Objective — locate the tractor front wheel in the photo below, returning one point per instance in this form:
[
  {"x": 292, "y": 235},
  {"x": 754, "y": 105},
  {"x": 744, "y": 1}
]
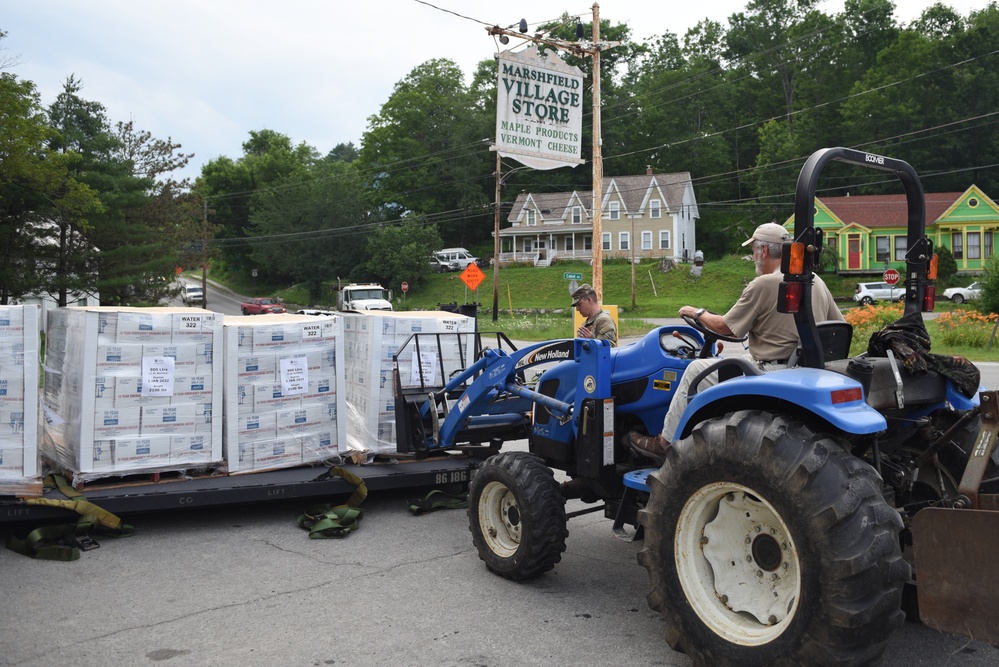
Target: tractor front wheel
[
  {"x": 517, "y": 515},
  {"x": 767, "y": 543}
]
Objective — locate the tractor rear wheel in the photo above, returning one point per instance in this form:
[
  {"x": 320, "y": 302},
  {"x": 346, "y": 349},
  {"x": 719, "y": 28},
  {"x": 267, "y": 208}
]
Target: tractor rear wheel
[
  {"x": 517, "y": 515},
  {"x": 767, "y": 543}
]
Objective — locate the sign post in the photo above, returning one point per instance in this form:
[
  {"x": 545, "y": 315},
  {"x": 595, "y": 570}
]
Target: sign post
[
  {"x": 891, "y": 277},
  {"x": 405, "y": 288}
]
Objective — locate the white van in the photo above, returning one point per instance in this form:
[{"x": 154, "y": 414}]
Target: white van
[{"x": 457, "y": 257}]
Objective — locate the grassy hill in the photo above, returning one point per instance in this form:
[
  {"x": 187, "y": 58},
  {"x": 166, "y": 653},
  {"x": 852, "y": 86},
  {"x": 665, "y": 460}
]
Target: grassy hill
[{"x": 657, "y": 294}]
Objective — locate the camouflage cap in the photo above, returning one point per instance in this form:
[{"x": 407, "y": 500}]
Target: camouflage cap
[{"x": 582, "y": 292}]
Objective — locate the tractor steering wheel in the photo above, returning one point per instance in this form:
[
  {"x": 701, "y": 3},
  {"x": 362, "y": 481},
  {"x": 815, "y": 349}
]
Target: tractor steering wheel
[{"x": 710, "y": 335}]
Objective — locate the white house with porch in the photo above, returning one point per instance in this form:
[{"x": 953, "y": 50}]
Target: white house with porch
[{"x": 643, "y": 217}]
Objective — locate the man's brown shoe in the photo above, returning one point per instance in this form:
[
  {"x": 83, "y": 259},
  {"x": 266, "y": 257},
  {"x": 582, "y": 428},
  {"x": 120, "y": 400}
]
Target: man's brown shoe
[{"x": 650, "y": 446}]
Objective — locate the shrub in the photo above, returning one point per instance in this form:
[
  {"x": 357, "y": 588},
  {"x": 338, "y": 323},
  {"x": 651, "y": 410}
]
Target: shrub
[
  {"x": 965, "y": 327},
  {"x": 868, "y": 319}
]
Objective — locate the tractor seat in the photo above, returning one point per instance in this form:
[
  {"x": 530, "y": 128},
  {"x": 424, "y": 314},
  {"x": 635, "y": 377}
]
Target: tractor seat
[{"x": 835, "y": 337}]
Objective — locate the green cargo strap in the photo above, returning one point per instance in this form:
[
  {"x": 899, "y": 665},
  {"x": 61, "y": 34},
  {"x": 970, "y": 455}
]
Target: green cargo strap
[
  {"x": 438, "y": 500},
  {"x": 330, "y": 521},
  {"x": 64, "y": 542}
]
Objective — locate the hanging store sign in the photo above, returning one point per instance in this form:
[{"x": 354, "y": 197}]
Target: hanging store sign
[{"x": 539, "y": 109}]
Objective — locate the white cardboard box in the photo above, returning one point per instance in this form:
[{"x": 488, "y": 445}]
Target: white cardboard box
[
  {"x": 371, "y": 339},
  {"x": 280, "y": 381},
  {"x": 96, "y": 356}
]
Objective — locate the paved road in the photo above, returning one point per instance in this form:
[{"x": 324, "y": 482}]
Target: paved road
[{"x": 245, "y": 586}]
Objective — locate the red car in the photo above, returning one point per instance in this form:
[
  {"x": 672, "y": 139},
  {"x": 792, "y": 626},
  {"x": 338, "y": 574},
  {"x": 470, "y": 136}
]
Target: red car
[{"x": 264, "y": 306}]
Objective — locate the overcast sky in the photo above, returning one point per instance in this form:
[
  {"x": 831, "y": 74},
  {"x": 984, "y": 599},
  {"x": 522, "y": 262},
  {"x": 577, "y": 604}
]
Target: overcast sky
[{"x": 207, "y": 72}]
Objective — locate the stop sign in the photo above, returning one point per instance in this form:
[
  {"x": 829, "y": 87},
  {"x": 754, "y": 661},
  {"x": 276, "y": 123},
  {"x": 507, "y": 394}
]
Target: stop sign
[
  {"x": 405, "y": 287},
  {"x": 891, "y": 276}
]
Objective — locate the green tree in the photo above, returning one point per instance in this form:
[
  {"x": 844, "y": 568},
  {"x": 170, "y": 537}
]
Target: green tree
[
  {"x": 230, "y": 186},
  {"x": 35, "y": 189},
  {"x": 988, "y": 302},
  {"x": 424, "y": 152},
  {"x": 310, "y": 228},
  {"x": 401, "y": 252},
  {"x": 122, "y": 248}
]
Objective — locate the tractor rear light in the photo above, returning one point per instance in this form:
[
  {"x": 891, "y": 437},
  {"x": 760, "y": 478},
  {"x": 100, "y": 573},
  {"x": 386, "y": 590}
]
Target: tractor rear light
[
  {"x": 931, "y": 273},
  {"x": 847, "y": 395},
  {"x": 929, "y": 299},
  {"x": 796, "y": 263},
  {"x": 790, "y": 294}
]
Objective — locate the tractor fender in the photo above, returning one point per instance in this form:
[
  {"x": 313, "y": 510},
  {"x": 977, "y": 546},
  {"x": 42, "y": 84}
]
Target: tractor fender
[{"x": 833, "y": 397}]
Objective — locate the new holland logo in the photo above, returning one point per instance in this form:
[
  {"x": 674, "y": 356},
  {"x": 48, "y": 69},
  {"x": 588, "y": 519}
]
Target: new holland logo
[{"x": 553, "y": 352}]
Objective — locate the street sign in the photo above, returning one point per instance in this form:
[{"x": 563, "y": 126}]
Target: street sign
[
  {"x": 472, "y": 276},
  {"x": 891, "y": 276},
  {"x": 572, "y": 276},
  {"x": 405, "y": 286}
]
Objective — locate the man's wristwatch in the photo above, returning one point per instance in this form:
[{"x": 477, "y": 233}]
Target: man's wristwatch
[{"x": 698, "y": 313}]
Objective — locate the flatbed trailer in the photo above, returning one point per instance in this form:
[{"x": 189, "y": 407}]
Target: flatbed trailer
[{"x": 137, "y": 497}]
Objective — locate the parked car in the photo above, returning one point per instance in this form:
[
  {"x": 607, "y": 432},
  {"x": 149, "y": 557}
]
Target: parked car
[
  {"x": 192, "y": 295},
  {"x": 962, "y": 294},
  {"x": 458, "y": 257},
  {"x": 441, "y": 264},
  {"x": 868, "y": 293}
]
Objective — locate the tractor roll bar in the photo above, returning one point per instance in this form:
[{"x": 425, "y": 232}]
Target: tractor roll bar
[{"x": 917, "y": 256}]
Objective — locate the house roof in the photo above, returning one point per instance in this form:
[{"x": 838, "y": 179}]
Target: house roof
[
  {"x": 878, "y": 211},
  {"x": 631, "y": 190}
]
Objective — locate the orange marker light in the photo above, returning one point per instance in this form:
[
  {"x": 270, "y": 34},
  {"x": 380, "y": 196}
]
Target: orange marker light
[
  {"x": 931, "y": 273},
  {"x": 796, "y": 264}
]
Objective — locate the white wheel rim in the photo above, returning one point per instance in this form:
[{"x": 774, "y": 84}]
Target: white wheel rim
[
  {"x": 500, "y": 519},
  {"x": 737, "y": 564}
]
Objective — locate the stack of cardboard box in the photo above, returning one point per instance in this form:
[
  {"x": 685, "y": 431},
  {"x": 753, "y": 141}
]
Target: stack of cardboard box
[
  {"x": 282, "y": 389},
  {"x": 19, "y": 349},
  {"x": 372, "y": 340},
  {"x": 132, "y": 390}
]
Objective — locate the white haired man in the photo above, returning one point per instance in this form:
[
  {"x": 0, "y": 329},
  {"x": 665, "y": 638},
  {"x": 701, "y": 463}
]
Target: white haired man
[{"x": 773, "y": 336}]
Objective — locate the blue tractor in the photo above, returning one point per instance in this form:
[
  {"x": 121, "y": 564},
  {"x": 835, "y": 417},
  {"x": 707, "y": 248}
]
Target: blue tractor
[{"x": 781, "y": 527}]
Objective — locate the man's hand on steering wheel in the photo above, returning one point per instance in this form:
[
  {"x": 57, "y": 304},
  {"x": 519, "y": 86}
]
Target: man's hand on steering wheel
[{"x": 692, "y": 316}]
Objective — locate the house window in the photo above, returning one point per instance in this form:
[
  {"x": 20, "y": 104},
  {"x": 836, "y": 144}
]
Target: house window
[
  {"x": 973, "y": 202},
  {"x": 532, "y": 218},
  {"x": 568, "y": 243},
  {"x": 577, "y": 215},
  {"x": 957, "y": 245},
  {"x": 974, "y": 245},
  {"x": 882, "y": 248},
  {"x": 624, "y": 240},
  {"x": 528, "y": 245},
  {"x": 655, "y": 209},
  {"x": 646, "y": 240},
  {"x": 606, "y": 240},
  {"x": 615, "y": 210},
  {"x": 664, "y": 239},
  {"x": 901, "y": 245},
  {"x": 988, "y": 244},
  {"x": 588, "y": 242}
]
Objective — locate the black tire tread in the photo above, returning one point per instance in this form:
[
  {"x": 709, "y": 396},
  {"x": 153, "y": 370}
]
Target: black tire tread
[
  {"x": 542, "y": 509},
  {"x": 847, "y": 516}
]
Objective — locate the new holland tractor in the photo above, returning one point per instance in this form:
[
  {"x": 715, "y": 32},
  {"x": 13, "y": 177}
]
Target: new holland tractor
[{"x": 796, "y": 509}]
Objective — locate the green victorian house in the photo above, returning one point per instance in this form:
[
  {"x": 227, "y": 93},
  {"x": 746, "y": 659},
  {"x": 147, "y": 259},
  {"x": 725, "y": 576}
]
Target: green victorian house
[{"x": 868, "y": 233}]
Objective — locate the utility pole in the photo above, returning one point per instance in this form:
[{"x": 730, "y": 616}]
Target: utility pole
[
  {"x": 204, "y": 254},
  {"x": 496, "y": 237},
  {"x": 598, "y": 166}
]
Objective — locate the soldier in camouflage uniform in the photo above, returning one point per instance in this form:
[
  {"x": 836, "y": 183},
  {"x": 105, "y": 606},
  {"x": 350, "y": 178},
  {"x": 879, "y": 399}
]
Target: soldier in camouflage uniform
[{"x": 599, "y": 324}]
